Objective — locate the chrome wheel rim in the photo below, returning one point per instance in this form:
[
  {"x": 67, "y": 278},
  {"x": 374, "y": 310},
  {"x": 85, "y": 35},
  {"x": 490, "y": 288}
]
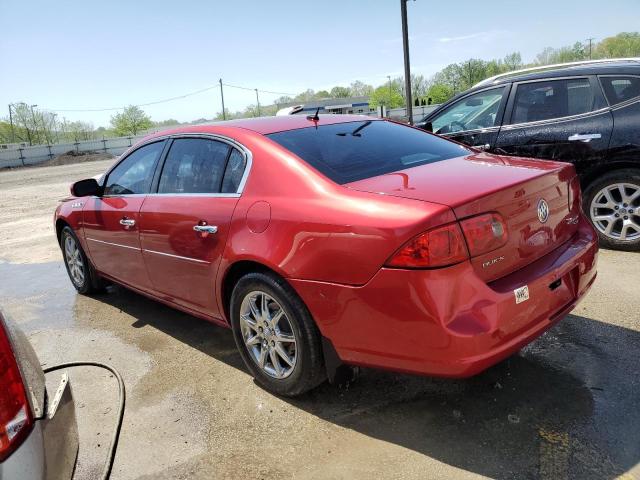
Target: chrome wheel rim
[
  {"x": 615, "y": 211},
  {"x": 74, "y": 261},
  {"x": 268, "y": 334}
]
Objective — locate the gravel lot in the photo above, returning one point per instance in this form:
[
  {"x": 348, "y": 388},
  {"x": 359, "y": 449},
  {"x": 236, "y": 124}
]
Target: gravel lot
[{"x": 565, "y": 407}]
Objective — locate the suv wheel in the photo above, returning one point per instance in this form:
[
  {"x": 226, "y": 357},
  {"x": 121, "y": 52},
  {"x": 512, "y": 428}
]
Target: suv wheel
[
  {"x": 275, "y": 334},
  {"x": 613, "y": 205}
]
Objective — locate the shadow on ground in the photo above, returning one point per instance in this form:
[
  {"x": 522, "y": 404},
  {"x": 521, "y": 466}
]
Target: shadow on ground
[{"x": 564, "y": 407}]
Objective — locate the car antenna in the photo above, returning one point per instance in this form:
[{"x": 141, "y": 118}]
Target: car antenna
[{"x": 315, "y": 116}]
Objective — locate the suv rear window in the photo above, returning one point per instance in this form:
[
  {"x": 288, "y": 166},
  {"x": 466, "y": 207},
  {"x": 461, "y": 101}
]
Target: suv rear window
[
  {"x": 620, "y": 89},
  {"x": 351, "y": 151},
  {"x": 551, "y": 99}
]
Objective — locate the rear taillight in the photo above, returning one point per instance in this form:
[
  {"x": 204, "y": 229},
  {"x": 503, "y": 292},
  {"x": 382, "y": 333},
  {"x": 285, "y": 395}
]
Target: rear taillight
[
  {"x": 484, "y": 233},
  {"x": 15, "y": 414},
  {"x": 439, "y": 247}
]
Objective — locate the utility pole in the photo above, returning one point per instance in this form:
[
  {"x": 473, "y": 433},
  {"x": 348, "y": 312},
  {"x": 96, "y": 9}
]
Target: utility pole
[
  {"x": 13, "y": 133},
  {"x": 590, "y": 40},
  {"x": 257, "y": 101},
  {"x": 407, "y": 67},
  {"x": 224, "y": 114}
]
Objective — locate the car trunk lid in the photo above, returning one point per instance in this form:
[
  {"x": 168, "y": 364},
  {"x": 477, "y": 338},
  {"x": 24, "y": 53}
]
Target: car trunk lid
[{"x": 483, "y": 183}]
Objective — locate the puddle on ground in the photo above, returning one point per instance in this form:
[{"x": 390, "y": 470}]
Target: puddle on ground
[{"x": 37, "y": 296}]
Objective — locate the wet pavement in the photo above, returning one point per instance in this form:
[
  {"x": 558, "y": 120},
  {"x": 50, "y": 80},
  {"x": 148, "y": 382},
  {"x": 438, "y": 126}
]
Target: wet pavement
[{"x": 565, "y": 407}]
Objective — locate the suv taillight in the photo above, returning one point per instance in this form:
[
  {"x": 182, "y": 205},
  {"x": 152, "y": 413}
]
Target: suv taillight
[
  {"x": 439, "y": 247},
  {"x": 484, "y": 233},
  {"x": 15, "y": 415}
]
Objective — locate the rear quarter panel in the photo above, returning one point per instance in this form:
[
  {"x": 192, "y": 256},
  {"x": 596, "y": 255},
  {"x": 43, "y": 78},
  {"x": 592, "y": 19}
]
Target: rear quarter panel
[{"x": 314, "y": 229}]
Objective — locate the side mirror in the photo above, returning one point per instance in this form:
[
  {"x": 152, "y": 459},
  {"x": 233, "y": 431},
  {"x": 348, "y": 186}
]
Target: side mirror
[
  {"x": 428, "y": 127},
  {"x": 85, "y": 188}
]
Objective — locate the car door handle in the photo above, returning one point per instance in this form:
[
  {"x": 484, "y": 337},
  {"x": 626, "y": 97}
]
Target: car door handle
[
  {"x": 205, "y": 228},
  {"x": 584, "y": 137},
  {"x": 127, "y": 222}
]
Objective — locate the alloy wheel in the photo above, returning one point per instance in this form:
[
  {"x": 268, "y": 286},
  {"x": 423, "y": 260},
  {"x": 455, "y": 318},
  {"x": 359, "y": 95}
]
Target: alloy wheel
[
  {"x": 268, "y": 334},
  {"x": 73, "y": 257},
  {"x": 615, "y": 211}
]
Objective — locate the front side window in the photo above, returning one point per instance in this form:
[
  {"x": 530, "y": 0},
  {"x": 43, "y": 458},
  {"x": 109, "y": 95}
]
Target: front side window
[
  {"x": 134, "y": 174},
  {"x": 194, "y": 165},
  {"x": 351, "y": 151},
  {"x": 476, "y": 111},
  {"x": 551, "y": 99},
  {"x": 620, "y": 89}
]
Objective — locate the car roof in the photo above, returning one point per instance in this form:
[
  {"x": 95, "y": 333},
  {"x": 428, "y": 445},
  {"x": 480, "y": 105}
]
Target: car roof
[
  {"x": 605, "y": 67},
  {"x": 267, "y": 125}
]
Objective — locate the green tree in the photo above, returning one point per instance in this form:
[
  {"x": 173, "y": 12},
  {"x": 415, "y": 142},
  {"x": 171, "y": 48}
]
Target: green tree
[
  {"x": 439, "y": 93},
  {"x": 340, "y": 92},
  {"x": 625, "y": 44},
  {"x": 131, "y": 121},
  {"x": 360, "y": 89},
  {"x": 390, "y": 96},
  {"x": 166, "y": 123},
  {"x": 306, "y": 96},
  {"x": 322, "y": 94}
]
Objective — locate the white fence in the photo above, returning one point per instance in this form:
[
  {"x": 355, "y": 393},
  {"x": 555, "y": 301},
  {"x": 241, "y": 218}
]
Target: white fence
[
  {"x": 16, "y": 157},
  {"x": 41, "y": 153}
]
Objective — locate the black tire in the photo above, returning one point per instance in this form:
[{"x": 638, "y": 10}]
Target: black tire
[
  {"x": 91, "y": 281},
  {"x": 627, "y": 176},
  {"x": 308, "y": 371}
]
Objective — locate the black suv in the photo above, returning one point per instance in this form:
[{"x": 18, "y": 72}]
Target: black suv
[{"x": 586, "y": 113}]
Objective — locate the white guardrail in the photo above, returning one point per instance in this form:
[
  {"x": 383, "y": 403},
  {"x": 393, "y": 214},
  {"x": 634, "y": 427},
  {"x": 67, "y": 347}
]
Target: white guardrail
[{"x": 17, "y": 157}]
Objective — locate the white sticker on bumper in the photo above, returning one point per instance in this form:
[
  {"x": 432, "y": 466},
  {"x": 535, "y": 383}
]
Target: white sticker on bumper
[{"x": 521, "y": 294}]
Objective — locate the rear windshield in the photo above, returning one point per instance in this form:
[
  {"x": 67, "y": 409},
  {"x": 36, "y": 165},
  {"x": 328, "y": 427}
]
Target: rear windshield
[{"x": 347, "y": 152}]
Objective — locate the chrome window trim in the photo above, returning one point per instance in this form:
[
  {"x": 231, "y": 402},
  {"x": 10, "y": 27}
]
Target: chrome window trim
[
  {"x": 557, "y": 119},
  {"x": 248, "y": 155},
  {"x": 113, "y": 244},
  {"x": 466, "y": 132},
  {"x": 190, "y": 259},
  {"x": 570, "y": 118},
  {"x": 626, "y": 102},
  {"x": 212, "y": 195}
]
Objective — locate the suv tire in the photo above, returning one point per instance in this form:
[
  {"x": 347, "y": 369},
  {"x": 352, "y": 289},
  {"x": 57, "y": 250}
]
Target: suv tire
[{"x": 612, "y": 203}]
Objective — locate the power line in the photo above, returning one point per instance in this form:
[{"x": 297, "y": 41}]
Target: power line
[
  {"x": 260, "y": 90},
  {"x": 170, "y": 99}
]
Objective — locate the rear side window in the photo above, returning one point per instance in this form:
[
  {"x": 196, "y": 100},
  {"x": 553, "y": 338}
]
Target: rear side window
[
  {"x": 552, "y": 99},
  {"x": 194, "y": 165},
  {"x": 351, "y": 151},
  {"x": 134, "y": 174},
  {"x": 620, "y": 89},
  {"x": 234, "y": 171}
]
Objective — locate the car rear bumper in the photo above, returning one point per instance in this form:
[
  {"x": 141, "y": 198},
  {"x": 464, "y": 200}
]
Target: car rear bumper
[{"x": 449, "y": 322}]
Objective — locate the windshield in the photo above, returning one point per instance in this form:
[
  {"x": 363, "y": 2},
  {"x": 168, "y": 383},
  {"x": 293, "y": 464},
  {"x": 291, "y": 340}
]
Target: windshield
[{"x": 351, "y": 151}]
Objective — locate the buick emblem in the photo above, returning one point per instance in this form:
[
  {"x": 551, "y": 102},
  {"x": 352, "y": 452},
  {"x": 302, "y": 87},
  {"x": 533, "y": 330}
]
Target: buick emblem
[{"x": 543, "y": 210}]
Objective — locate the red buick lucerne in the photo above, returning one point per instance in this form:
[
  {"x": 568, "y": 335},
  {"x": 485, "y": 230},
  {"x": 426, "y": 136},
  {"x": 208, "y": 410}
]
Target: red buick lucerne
[{"x": 336, "y": 240}]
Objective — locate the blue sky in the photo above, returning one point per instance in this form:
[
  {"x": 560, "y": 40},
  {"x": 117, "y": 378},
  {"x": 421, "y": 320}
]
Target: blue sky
[{"x": 82, "y": 54}]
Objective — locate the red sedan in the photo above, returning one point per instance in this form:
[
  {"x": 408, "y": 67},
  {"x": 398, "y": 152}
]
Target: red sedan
[{"x": 337, "y": 240}]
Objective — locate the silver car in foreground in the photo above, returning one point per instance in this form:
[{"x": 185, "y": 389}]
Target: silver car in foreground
[{"x": 38, "y": 430}]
